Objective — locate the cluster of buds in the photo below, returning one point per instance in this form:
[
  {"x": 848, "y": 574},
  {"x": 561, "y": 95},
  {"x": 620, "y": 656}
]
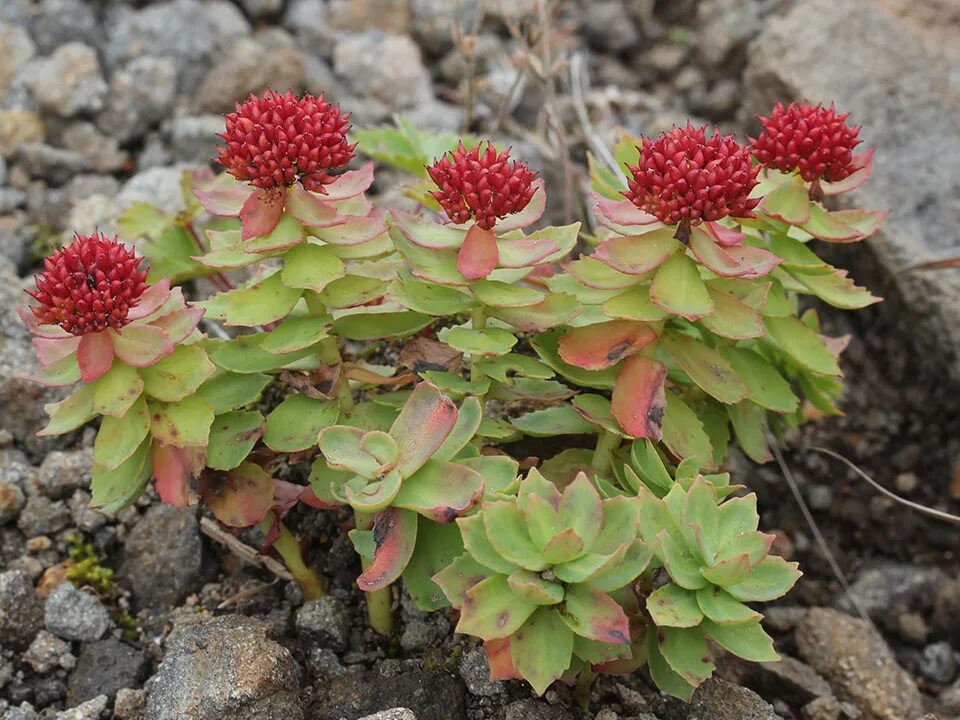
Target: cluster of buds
[
  {"x": 686, "y": 178},
  {"x": 813, "y": 140},
  {"x": 275, "y": 140},
  {"x": 483, "y": 186}
]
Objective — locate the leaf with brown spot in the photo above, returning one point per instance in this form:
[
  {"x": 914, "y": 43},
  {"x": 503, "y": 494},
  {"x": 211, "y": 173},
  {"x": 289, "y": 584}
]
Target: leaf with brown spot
[
  {"x": 422, "y": 354},
  {"x": 240, "y": 497},
  {"x": 595, "y": 347},
  {"x": 639, "y": 398},
  {"x": 395, "y": 535}
]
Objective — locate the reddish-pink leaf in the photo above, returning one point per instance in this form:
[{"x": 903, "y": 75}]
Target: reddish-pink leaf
[
  {"x": 727, "y": 237},
  {"x": 638, "y": 254},
  {"x": 530, "y": 214},
  {"x": 173, "y": 470},
  {"x": 261, "y": 212},
  {"x": 178, "y": 325},
  {"x": 240, "y": 497},
  {"x": 478, "y": 255},
  {"x": 350, "y": 184},
  {"x": 94, "y": 355},
  {"x": 867, "y": 222},
  {"x": 309, "y": 497},
  {"x": 49, "y": 350},
  {"x": 741, "y": 261},
  {"x": 595, "y": 347},
  {"x": 140, "y": 345},
  {"x": 395, "y": 535},
  {"x": 153, "y": 299},
  {"x": 223, "y": 203},
  {"x": 285, "y": 495},
  {"x": 500, "y": 660},
  {"x": 639, "y": 398},
  {"x": 311, "y": 209},
  {"x": 426, "y": 419},
  {"x": 620, "y": 214},
  {"x": 864, "y": 161},
  {"x": 595, "y": 615}
]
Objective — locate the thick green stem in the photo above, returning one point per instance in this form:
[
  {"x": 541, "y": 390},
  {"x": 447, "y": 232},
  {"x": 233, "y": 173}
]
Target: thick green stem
[
  {"x": 603, "y": 455},
  {"x": 584, "y": 686},
  {"x": 478, "y": 319},
  {"x": 289, "y": 550},
  {"x": 379, "y": 602}
]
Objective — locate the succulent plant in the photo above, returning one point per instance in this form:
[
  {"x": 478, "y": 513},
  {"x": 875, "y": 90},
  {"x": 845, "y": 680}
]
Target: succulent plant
[
  {"x": 538, "y": 579},
  {"x": 716, "y": 561}
]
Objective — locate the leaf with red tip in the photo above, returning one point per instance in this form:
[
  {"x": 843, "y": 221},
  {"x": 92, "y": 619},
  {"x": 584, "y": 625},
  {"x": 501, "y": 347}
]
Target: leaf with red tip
[
  {"x": 595, "y": 347},
  {"x": 240, "y": 497},
  {"x": 621, "y": 215},
  {"x": 178, "y": 325},
  {"x": 478, "y": 255},
  {"x": 727, "y": 237},
  {"x": 153, "y": 298},
  {"x": 678, "y": 288},
  {"x": 741, "y": 261},
  {"x": 638, "y": 254},
  {"x": 594, "y": 615},
  {"x": 350, "y": 184},
  {"x": 864, "y": 161},
  {"x": 639, "y": 399},
  {"x": 95, "y": 355},
  {"x": 825, "y": 225},
  {"x": 526, "y": 252},
  {"x": 355, "y": 229},
  {"x": 866, "y": 221},
  {"x": 440, "y": 491},
  {"x": 500, "y": 660},
  {"x": 61, "y": 373},
  {"x": 173, "y": 469},
  {"x": 140, "y": 345},
  {"x": 395, "y": 536},
  {"x": 789, "y": 202},
  {"x": 492, "y": 610},
  {"x": 223, "y": 203},
  {"x": 430, "y": 235},
  {"x": 556, "y": 309},
  {"x": 51, "y": 350},
  {"x": 260, "y": 213},
  {"x": 426, "y": 419},
  {"x": 310, "y": 209},
  {"x": 530, "y": 214}
]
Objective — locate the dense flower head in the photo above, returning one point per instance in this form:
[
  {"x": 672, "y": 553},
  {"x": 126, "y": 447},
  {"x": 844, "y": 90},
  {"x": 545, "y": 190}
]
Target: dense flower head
[
  {"x": 275, "y": 140},
  {"x": 484, "y": 186},
  {"x": 89, "y": 285},
  {"x": 812, "y": 139},
  {"x": 684, "y": 176}
]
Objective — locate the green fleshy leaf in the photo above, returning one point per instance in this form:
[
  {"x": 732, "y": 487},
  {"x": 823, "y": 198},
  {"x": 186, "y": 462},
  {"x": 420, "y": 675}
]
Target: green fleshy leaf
[
  {"x": 529, "y": 389},
  {"x": 327, "y": 483},
  {"x": 639, "y": 254},
  {"x": 507, "y": 532},
  {"x": 504, "y": 295},
  {"x": 456, "y": 385},
  {"x": 541, "y": 649},
  {"x": 731, "y": 317},
  {"x": 597, "y": 653},
  {"x": 363, "y": 543},
  {"x": 626, "y": 570},
  {"x": 596, "y": 410},
  {"x": 679, "y": 290},
  {"x": 171, "y": 256},
  {"x": 594, "y": 615},
  {"x": 499, "y": 472},
  {"x": 673, "y": 606},
  {"x": 142, "y": 220},
  {"x": 621, "y": 520},
  {"x": 311, "y": 267},
  {"x": 437, "y": 547},
  {"x": 559, "y": 420},
  {"x": 430, "y": 298},
  {"x": 427, "y": 418},
  {"x": 649, "y": 466},
  {"x": 185, "y": 423},
  {"x": 681, "y": 565},
  {"x": 706, "y": 366},
  {"x": 119, "y": 438},
  {"x": 263, "y": 302},
  {"x": 287, "y": 233},
  {"x": 351, "y": 291},
  {"x": 244, "y": 355},
  {"x": 295, "y": 423},
  {"x": 116, "y": 488},
  {"x": 468, "y": 421},
  {"x": 556, "y": 309},
  {"x": 750, "y": 426},
  {"x": 378, "y": 325},
  {"x": 543, "y": 524},
  {"x": 530, "y": 586},
  {"x": 687, "y": 653},
  {"x": 506, "y": 367},
  {"x": 737, "y": 516},
  {"x": 63, "y": 372},
  {"x": 748, "y": 641},
  {"x": 581, "y": 510},
  {"x": 802, "y": 344},
  {"x": 115, "y": 392},
  {"x": 663, "y": 675},
  {"x": 228, "y": 391},
  {"x": 583, "y": 568},
  {"x": 701, "y": 519},
  {"x": 683, "y": 433},
  {"x": 771, "y": 579},
  {"x": 721, "y": 607},
  {"x": 232, "y": 437},
  {"x": 492, "y": 610},
  {"x": 836, "y": 289},
  {"x": 789, "y": 202},
  {"x": 563, "y": 467},
  {"x": 70, "y": 413},
  {"x": 486, "y": 342},
  {"x": 634, "y": 304},
  {"x": 178, "y": 375},
  {"x": 475, "y": 540},
  {"x": 296, "y": 333},
  {"x": 563, "y": 547},
  {"x": 440, "y": 491},
  {"x": 459, "y": 576},
  {"x": 767, "y": 387}
]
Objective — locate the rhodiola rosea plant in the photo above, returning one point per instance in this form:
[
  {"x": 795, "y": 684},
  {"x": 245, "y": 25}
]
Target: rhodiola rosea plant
[{"x": 410, "y": 358}]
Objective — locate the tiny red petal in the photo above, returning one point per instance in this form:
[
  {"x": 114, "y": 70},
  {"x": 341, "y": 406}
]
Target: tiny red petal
[
  {"x": 811, "y": 139},
  {"x": 481, "y": 184},
  {"x": 89, "y": 285},
  {"x": 686, "y": 176},
  {"x": 275, "y": 140}
]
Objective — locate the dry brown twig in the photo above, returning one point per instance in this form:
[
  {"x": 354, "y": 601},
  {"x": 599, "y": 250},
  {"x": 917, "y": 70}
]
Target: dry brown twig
[{"x": 243, "y": 551}]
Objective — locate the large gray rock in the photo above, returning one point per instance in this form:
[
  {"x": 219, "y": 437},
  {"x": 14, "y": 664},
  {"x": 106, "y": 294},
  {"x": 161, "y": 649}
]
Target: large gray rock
[
  {"x": 162, "y": 557},
  {"x": 887, "y": 589},
  {"x": 717, "y": 698},
  {"x": 73, "y": 614},
  {"x": 141, "y": 94},
  {"x": 61, "y": 473},
  {"x": 225, "y": 668},
  {"x": 16, "y": 49},
  {"x": 433, "y": 695},
  {"x": 858, "y": 664},
  {"x": 104, "y": 668},
  {"x": 67, "y": 82},
  {"x": 21, "y": 610},
  {"x": 61, "y": 21},
  {"x": 324, "y": 622},
  {"x": 841, "y": 50}
]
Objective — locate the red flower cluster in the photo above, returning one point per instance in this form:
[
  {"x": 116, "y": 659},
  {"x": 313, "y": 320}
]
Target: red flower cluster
[
  {"x": 89, "y": 285},
  {"x": 812, "y": 139},
  {"x": 484, "y": 187},
  {"x": 275, "y": 140},
  {"x": 685, "y": 177}
]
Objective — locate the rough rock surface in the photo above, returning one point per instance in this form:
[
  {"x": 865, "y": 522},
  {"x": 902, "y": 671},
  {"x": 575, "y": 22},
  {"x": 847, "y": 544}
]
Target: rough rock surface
[
  {"x": 104, "y": 668},
  {"x": 825, "y": 50},
  {"x": 430, "y": 695},
  {"x": 858, "y": 664},
  {"x": 21, "y": 611},
  {"x": 227, "y": 667},
  {"x": 73, "y": 614},
  {"x": 717, "y": 698}
]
